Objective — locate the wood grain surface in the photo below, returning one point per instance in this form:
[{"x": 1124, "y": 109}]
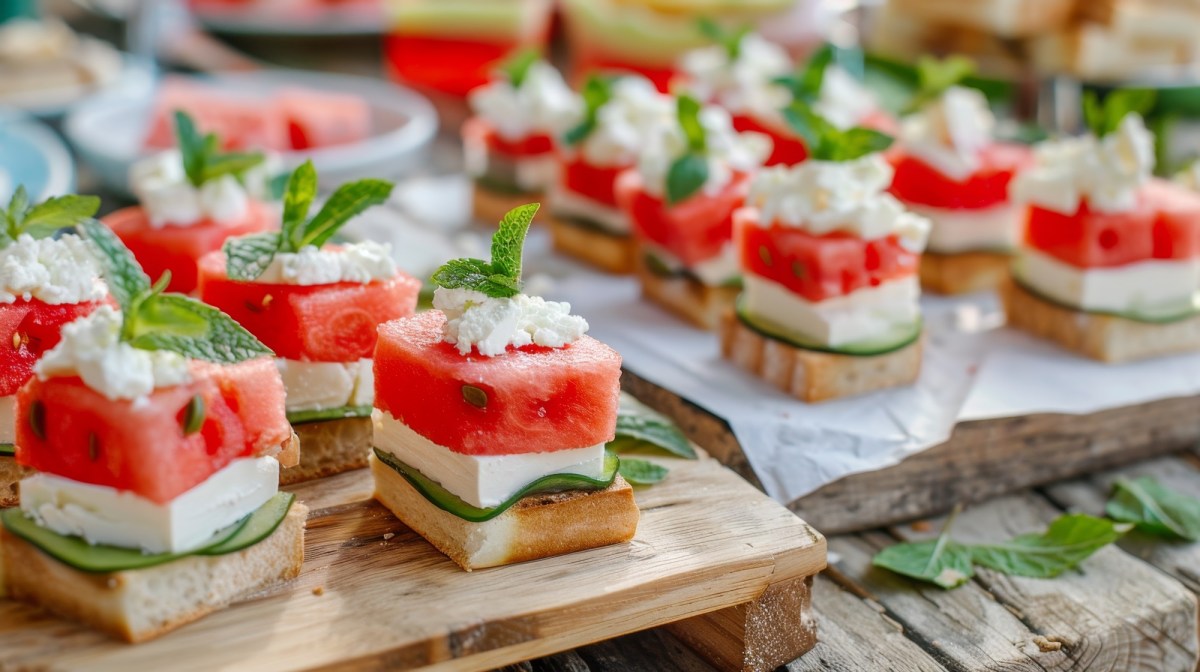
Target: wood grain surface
[{"x": 374, "y": 596}]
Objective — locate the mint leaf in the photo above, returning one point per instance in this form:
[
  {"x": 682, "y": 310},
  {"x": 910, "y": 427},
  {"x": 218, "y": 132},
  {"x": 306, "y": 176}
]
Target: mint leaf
[
  {"x": 805, "y": 84},
  {"x": 730, "y": 41},
  {"x": 233, "y": 163},
  {"x": 202, "y": 156},
  {"x": 247, "y": 257},
  {"x": 641, "y": 472},
  {"x": 940, "y": 561},
  {"x": 501, "y": 278},
  {"x": 1155, "y": 509},
  {"x": 596, "y": 93},
  {"x": 687, "y": 111},
  {"x": 1068, "y": 541},
  {"x": 935, "y": 75},
  {"x": 640, "y": 427},
  {"x": 686, "y": 176},
  {"x": 46, "y": 218},
  {"x": 859, "y": 142},
  {"x": 277, "y": 185},
  {"x": 124, "y": 276},
  {"x": 509, "y": 240},
  {"x": 173, "y": 322},
  {"x": 347, "y": 202},
  {"x": 827, "y": 142},
  {"x": 517, "y": 66},
  {"x": 1102, "y": 118},
  {"x": 297, "y": 200},
  {"x": 17, "y": 206}
]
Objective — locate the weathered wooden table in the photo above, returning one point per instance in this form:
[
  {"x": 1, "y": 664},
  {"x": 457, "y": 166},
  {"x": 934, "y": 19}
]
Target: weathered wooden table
[{"x": 1130, "y": 607}]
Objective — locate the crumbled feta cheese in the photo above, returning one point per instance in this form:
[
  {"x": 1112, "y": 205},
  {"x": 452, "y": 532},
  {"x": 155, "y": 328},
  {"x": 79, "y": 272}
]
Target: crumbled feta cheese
[
  {"x": 744, "y": 85},
  {"x": 169, "y": 199},
  {"x": 91, "y": 348},
  {"x": 949, "y": 132},
  {"x": 729, "y": 152},
  {"x": 622, "y": 125},
  {"x": 1106, "y": 171},
  {"x": 823, "y": 196},
  {"x": 487, "y": 325},
  {"x": 53, "y": 270},
  {"x": 356, "y": 262},
  {"x": 543, "y": 104},
  {"x": 843, "y": 101}
]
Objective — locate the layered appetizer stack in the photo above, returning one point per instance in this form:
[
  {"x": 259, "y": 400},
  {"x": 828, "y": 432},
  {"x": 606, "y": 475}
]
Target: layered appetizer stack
[
  {"x": 158, "y": 433},
  {"x": 494, "y": 412},
  {"x": 45, "y": 283},
  {"x": 829, "y": 269},
  {"x": 949, "y": 169},
  {"x": 1110, "y": 263},
  {"x": 316, "y": 306},
  {"x": 45, "y": 62},
  {"x": 690, "y": 178}
]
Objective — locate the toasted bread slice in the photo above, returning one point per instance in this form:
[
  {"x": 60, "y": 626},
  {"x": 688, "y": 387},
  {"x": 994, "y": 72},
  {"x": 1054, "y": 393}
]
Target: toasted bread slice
[
  {"x": 606, "y": 251},
  {"x": 491, "y": 206},
  {"x": 1107, "y": 338},
  {"x": 141, "y": 604},
  {"x": 813, "y": 376},
  {"x": 1009, "y": 18},
  {"x": 690, "y": 299},
  {"x": 330, "y": 447},
  {"x": 11, "y": 474},
  {"x": 538, "y": 526},
  {"x": 963, "y": 272}
]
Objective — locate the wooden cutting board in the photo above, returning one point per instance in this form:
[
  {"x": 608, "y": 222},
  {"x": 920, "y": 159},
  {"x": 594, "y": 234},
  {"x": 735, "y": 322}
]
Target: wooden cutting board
[{"x": 729, "y": 568}]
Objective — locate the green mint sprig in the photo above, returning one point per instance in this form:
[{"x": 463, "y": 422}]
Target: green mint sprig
[
  {"x": 596, "y": 93},
  {"x": 1067, "y": 541},
  {"x": 516, "y": 67},
  {"x": 642, "y": 472},
  {"x": 203, "y": 159},
  {"x": 827, "y": 142},
  {"x": 640, "y": 427},
  {"x": 689, "y": 172},
  {"x": 501, "y": 277},
  {"x": 247, "y": 257},
  {"x": 935, "y": 75},
  {"x": 1103, "y": 117},
  {"x": 43, "y": 219},
  {"x": 805, "y": 84},
  {"x": 1155, "y": 509},
  {"x": 729, "y": 40},
  {"x": 154, "y": 320}
]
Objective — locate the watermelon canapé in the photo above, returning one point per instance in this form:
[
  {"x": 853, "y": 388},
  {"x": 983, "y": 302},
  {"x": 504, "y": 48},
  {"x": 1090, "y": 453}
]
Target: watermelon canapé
[
  {"x": 693, "y": 230},
  {"x": 479, "y": 131},
  {"x": 68, "y": 429},
  {"x": 916, "y": 182},
  {"x": 526, "y": 400}
]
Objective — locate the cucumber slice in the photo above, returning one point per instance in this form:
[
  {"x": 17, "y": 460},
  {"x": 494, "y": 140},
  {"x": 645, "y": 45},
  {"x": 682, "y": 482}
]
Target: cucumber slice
[
  {"x": 588, "y": 225},
  {"x": 7, "y": 449},
  {"x": 899, "y": 336},
  {"x": 450, "y": 503},
  {"x": 662, "y": 269},
  {"x": 1164, "y": 314},
  {"x": 77, "y": 553},
  {"x": 258, "y": 526},
  {"x": 300, "y": 417}
]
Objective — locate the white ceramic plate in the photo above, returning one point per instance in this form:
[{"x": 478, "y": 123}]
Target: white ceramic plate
[
  {"x": 135, "y": 78},
  {"x": 32, "y": 155},
  {"x": 108, "y": 131}
]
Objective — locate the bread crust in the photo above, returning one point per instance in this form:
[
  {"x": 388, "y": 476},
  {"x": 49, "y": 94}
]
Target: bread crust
[
  {"x": 608, "y": 252},
  {"x": 1107, "y": 338},
  {"x": 489, "y": 207},
  {"x": 687, "y": 298},
  {"x": 1009, "y": 18},
  {"x": 813, "y": 376},
  {"x": 963, "y": 272},
  {"x": 141, "y": 604},
  {"x": 330, "y": 447},
  {"x": 537, "y": 526},
  {"x": 11, "y": 474}
]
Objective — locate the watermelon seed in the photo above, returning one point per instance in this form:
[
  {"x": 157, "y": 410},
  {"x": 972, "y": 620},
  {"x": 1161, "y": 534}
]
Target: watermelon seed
[
  {"x": 798, "y": 269},
  {"x": 475, "y": 396},
  {"x": 193, "y": 416},
  {"x": 37, "y": 419},
  {"x": 18, "y": 339},
  {"x": 764, "y": 254},
  {"x": 93, "y": 446}
]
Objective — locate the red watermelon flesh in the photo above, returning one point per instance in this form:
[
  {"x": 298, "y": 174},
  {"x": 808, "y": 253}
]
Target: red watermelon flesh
[
  {"x": 322, "y": 119},
  {"x": 27, "y": 330},
  {"x": 537, "y": 399},
  {"x": 139, "y": 445}
]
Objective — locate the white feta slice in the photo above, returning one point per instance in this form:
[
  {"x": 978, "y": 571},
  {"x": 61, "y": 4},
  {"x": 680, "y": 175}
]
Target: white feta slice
[
  {"x": 481, "y": 480},
  {"x": 996, "y": 228},
  {"x": 316, "y": 386},
  {"x": 1141, "y": 285},
  {"x": 104, "y": 515},
  {"x": 866, "y": 313}
]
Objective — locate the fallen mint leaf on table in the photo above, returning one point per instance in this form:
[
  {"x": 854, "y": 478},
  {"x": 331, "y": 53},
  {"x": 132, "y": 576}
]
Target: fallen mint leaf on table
[
  {"x": 642, "y": 472},
  {"x": 940, "y": 561},
  {"x": 1069, "y": 540},
  {"x": 640, "y": 427},
  {"x": 1154, "y": 508}
]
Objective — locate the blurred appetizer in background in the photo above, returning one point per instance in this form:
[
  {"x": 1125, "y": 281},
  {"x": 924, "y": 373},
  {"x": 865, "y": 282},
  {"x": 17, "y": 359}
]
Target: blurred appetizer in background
[
  {"x": 950, "y": 169},
  {"x": 494, "y": 412},
  {"x": 829, "y": 260},
  {"x": 1110, "y": 263},
  {"x": 510, "y": 143},
  {"x": 158, "y": 432},
  {"x": 619, "y": 117},
  {"x": 192, "y": 199},
  {"x": 317, "y": 305},
  {"x": 42, "y": 61},
  {"x": 45, "y": 283},
  {"x": 691, "y": 176}
]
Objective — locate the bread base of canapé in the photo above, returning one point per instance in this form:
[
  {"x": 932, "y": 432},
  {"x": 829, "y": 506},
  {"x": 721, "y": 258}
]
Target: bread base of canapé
[
  {"x": 141, "y": 604},
  {"x": 1107, "y": 338},
  {"x": 813, "y": 376},
  {"x": 11, "y": 474},
  {"x": 606, "y": 251},
  {"x": 489, "y": 207},
  {"x": 537, "y": 526},
  {"x": 964, "y": 272},
  {"x": 1009, "y": 18},
  {"x": 686, "y": 297},
  {"x": 330, "y": 447}
]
